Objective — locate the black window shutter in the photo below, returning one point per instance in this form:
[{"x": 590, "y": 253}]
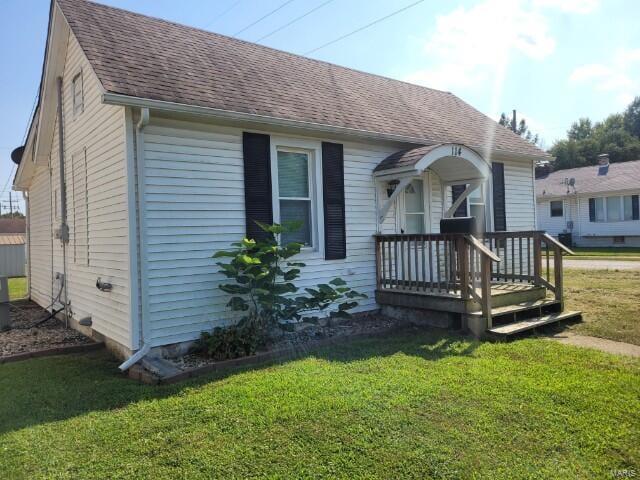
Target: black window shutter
[
  {"x": 592, "y": 209},
  {"x": 456, "y": 191},
  {"x": 256, "y": 150},
  {"x": 335, "y": 233},
  {"x": 499, "y": 206},
  {"x": 635, "y": 213}
]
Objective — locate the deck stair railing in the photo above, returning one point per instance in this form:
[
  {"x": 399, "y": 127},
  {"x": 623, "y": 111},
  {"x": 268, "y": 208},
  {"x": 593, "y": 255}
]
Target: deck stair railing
[{"x": 467, "y": 266}]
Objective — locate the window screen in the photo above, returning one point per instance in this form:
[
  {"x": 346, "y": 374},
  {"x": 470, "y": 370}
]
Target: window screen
[{"x": 295, "y": 194}]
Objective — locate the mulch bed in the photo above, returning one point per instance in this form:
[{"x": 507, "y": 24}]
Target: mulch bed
[{"x": 25, "y": 338}]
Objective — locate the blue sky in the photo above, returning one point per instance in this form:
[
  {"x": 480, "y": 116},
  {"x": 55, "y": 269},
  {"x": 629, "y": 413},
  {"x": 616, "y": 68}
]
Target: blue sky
[{"x": 552, "y": 60}]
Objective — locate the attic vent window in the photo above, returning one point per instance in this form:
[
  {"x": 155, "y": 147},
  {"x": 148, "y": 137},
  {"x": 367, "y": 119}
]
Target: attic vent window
[{"x": 77, "y": 91}]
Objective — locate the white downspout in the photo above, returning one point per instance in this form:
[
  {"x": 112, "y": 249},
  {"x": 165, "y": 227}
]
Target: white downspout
[{"x": 143, "y": 327}]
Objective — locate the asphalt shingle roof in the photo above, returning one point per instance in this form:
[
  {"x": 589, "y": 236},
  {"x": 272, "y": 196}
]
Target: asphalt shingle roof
[
  {"x": 595, "y": 179},
  {"x": 149, "y": 58}
]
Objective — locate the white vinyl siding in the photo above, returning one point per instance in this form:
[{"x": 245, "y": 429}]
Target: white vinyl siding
[
  {"x": 104, "y": 229},
  {"x": 80, "y": 208},
  {"x": 40, "y": 237},
  {"x": 195, "y": 206}
]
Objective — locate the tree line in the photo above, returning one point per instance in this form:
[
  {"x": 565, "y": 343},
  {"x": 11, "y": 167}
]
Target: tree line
[{"x": 618, "y": 135}]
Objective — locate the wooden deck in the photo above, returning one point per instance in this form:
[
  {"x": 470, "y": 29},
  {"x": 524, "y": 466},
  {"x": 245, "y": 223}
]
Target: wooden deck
[{"x": 474, "y": 277}]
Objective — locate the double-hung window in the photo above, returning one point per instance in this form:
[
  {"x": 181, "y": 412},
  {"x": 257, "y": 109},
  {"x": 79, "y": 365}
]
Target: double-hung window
[{"x": 296, "y": 193}]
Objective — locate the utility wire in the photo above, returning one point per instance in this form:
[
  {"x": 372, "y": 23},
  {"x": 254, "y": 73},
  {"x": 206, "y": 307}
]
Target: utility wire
[
  {"x": 293, "y": 21},
  {"x": 287, "y": 2},
  {"x": 357, "y": 30},
  {"x": 233, "y": 5}
]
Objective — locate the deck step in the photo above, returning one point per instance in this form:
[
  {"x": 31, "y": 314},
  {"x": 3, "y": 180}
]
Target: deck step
[
  {"x": 518, "y": 307},
  {"x": 531, "y": 323}
]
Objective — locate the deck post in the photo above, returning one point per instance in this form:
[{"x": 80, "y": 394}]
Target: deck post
[
  {"x": 463, "y": 266},
  {"x": 557, "y": 271},
  {"x": 485, "y": 270},
  {"x": 378, "y": 263},
  {"x": 537, "y": 258}
]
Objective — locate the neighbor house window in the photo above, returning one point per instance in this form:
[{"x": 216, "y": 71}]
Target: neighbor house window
[
  {"x": 613, "y": 209},
  {"x": 556, "y": 208},
  {"x": 599, "y": 202},
  {"x": 77, "y": 92},
  {"x": 627, "y": 207},
  {"x": 296, "y": 193},
  {"x": 618, "y": 239},
  {"x": 414, "y": 207}
]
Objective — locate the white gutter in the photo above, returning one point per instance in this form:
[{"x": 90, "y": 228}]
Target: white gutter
[
  {"x": 143, "y": 325},
  {"x": 126, "y": 100}
]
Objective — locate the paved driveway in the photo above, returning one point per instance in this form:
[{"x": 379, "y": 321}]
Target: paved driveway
[{"x": 601, "y": 264}]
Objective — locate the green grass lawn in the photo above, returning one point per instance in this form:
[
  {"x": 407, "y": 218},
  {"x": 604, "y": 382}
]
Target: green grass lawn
[
  {"x": 622, "y": 253},
  {"x": 17, "y": 288},
  {"x": 609, "y": 301},
  {"x": 412, "y": 405}
]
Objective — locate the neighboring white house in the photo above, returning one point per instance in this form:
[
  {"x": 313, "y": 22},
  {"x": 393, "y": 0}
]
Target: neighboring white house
[
  {"x": 12, "y": 247},
  {"x": 597, "y": 205},
  {"x": 174, "y": 140}
]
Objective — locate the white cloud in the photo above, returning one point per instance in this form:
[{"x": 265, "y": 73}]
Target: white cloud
[
  {"x": 618, "y": 76},
  {"x": 472, "y": 46},
  {"x": 570, "y": 6}
]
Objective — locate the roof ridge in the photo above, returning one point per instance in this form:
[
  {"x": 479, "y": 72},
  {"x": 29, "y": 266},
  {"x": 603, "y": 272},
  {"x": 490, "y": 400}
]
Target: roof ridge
[
  {"x": 588, "y": 166},
  {"x": 254, "y": 44}
]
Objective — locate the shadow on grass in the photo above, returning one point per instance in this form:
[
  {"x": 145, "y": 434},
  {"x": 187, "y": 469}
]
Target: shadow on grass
[{"x": 57, "y": 388}]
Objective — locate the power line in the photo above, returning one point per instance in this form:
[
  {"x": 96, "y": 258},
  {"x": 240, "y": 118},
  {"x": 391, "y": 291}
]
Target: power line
[
  {"x": 294, "y": 21},
  {"x": 8, "y": 178},
  {"x": 357, "y": 30},
  {"x": 287, "y": 2},
  {"x": 234, "y": 5}
]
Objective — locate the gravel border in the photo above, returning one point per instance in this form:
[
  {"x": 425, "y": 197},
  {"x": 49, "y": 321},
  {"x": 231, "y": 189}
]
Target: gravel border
[{"x": 27, "y": 338}]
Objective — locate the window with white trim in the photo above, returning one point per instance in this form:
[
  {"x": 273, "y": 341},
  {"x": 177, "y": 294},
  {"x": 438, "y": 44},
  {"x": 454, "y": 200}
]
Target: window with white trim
[
  {"x": 77, "y": 94},
  {"x": 613, "y": 208},
  {"x": 296, "y": 194},
  {"x": 476, "y": 206},
  {"x": 556, "y": 208},
  {"x": 414, "y": 207}
]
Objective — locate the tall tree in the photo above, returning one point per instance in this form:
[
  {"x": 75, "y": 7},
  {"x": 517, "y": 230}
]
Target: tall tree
[
  {"x": 521, "y": 129},
  {"x": 585, "y": 141},
  {"x": 632, "y": 118}
]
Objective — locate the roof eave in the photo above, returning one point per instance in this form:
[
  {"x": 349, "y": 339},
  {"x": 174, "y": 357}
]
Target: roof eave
[{"x": 130, "y": 101}]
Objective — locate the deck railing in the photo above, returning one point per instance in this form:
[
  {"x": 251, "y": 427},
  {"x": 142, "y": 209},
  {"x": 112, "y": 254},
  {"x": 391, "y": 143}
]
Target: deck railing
[{"x": 466, "y": 266}]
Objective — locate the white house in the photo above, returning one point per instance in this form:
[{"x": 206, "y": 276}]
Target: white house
[
  {"x": 596, "y": 205},
  {"x": 155, "y": 144}
]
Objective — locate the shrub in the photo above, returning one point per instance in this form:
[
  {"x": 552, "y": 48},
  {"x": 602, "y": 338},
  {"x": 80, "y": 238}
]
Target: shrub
[{"x": 263, "y": 290}]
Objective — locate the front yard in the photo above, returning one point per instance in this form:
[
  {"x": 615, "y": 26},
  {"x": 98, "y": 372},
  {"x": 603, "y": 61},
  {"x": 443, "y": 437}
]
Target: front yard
[
  {"x": 414, "y": 405},
  {"x": 609, "y": 301}
]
